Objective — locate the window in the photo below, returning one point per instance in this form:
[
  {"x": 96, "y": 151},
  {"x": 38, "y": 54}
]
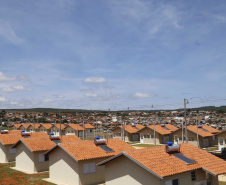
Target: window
[
  {"x": 175, "y": 182},
  {"x": 41, "y": 158},
  {"x": 172, "y": 182},
  {"x": 12, "y": 150},
  {"x": 152, "y": 136},
  {"x": 191, "y": 139},
  {"x": 193, "y": 176},
  {"x": 176, "y": 138},
  {"x": 147, "y": 136},
  {"x": 89, "y": 168}
]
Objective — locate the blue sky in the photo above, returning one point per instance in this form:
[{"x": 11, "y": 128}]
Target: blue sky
[{"x": 112, "y": 54}]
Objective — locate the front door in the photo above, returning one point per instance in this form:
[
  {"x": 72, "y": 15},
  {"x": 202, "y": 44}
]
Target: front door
[
  {"x": 165, "y": 139},
  {"x": 176, "y": 139},
  {"x": 221, "y": 143},
  {"x": 205, "y": 142},
  {"x": 141, "y": 138}
]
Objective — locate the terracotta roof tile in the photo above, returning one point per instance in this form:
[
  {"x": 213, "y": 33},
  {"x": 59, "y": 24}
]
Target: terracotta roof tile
[
  {"x": 25, "y": 125},
  {"x": 38, "y": 144},
  {"x": 9, "y": 139},
  {"x": 75, "y": 126},
  {"x": 210, "y": 131},
  {"x": 38, "y": 134},
  {"x": 132, "y": 129},
  {"x": 46, "y": 125},
  {"x": 162, "y": 129},
  {"x": 69, "y": 138},
  {"x": 89, "y": 126},
  {"x": 164, "y": 164},
  {"x": 88, "y": 150},
  {"x": 63, "y": 126}
]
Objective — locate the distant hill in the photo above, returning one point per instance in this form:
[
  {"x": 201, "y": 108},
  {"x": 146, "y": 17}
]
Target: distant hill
[{"x": 54, "y": 110}]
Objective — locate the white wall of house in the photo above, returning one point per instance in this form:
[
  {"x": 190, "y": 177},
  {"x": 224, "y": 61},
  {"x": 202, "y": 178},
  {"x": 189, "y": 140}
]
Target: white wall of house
[
  {"x": 92, "y": 178},
  {"x": 62, "y": 168},
  {"x": 222, "y": 140},
  {"x": 123, "y": 171},
  {"x": 40, "y": 166},
  {"x": 2, "y": 153},
  {"x": 69, "y": 131},
  {"x": 148, "y": 136},
  {"x": 24, "y": 158}
]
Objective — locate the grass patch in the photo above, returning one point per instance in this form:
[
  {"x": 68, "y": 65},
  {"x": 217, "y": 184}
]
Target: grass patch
[
  {"x": 10, "y": 176},
  {"x": 222, "y": 183},
  {"x": 213, "y": 148}
]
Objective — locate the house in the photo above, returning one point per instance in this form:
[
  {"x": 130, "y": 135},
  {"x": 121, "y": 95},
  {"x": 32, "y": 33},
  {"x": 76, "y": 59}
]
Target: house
[
  {"x": 6, "y": 142},
  {"x": 16, "y": 126},
  {"x": 29, "y": 151},
  {"x": 29, "y": 158},
  {"x": 33, "y": 127},
  {"x": 45, "y": 128},
  {"x": 56, "y": 129},
  {"x": 77, "y": 129},
  {"x": 75, "y": 163},
  {"x": 157, "y": 134},
  {"x": 131, "y": 132},
  {"x": 182, "y": 164},
  {"x": 221, "y": 140},
  {"x": 206, "y": 135},
  {"x": 24, "y": 126}
]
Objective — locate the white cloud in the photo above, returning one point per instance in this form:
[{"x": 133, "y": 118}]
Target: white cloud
[
  {"x": 13, "y": 103},
  {"x": 95, "y": 80},
  {"x": 5, "y": 78},
  {"x": 141, "y": 95},
  {"x": 91, "y": 95},
  {"x": 2, "y": 99},
  {"x": 8, "y": 33},
  {"x": 47, "y": 101},
  {"x": 15, "y": 88}
]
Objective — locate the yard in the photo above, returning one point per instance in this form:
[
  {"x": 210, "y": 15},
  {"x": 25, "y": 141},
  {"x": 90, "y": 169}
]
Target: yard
[{"x": 9, "y": 176}]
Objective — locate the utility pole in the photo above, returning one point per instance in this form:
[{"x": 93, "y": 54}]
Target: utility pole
[
  {"x": 186, "y": 131},
  {"x": 60, "y": 122},
  {"x": 197, "y": 132}
]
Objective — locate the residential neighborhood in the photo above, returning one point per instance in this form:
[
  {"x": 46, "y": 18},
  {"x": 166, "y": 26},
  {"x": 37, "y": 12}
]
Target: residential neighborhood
[{"x": 121, "y": 151}]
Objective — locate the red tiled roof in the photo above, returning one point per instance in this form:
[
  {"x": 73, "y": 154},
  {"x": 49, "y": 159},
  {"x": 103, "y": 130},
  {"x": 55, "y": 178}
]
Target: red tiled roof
[
  {"x": 88, "y": 126},
  {"x": 69, "y": 138},
  {"x": 162, "y": 129},
  {"x": 46, "y": 125},
  {"x": 76, "y": 126},
  {"x": 9, "y": 139},
  {"x": 38, "y": 134},
  {"x": 210, "y": 131},
  {"x": 164, "y": 164},
  {"x": 38, "y": 144},
  {"x": 63, "y": 126},
  {"x": 132, "y": 129},
  {"x": 88, "y": 150}
]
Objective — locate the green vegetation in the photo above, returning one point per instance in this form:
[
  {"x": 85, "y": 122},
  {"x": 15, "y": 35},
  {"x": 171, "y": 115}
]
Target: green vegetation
[
  {"x": 10, "y": 176},
  {"x": 222, "y": 183}
]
